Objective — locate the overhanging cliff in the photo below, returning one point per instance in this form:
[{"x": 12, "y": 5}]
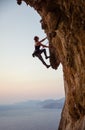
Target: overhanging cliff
[{"x": 64, "y": 23}]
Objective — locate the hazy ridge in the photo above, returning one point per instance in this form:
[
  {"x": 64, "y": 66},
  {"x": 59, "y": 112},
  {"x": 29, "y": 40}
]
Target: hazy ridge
[{"x": 49, "y": 103}]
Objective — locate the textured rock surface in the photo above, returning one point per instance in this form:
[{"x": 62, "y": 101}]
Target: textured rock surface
[{"x": 64, "y": 24}]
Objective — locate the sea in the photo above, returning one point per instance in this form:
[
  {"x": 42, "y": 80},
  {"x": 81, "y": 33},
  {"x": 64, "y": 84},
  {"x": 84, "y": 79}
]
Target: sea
[{"x": 29, "y": 119}]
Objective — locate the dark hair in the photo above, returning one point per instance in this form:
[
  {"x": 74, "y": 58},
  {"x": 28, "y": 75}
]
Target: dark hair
[
  {"x": 36, "y": 38},
  {"x": 19, "y": 2}
]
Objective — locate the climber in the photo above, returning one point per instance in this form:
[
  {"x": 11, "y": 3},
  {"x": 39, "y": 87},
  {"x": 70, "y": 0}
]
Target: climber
[{"x": 37, "y": 52}]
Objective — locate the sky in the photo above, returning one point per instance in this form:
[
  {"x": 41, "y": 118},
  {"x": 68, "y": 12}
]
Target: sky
[{"x": 23, "y": 77}]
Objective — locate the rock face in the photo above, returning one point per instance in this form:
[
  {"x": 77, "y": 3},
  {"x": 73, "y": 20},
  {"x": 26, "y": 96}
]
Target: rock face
[{"x": 64, "y": 23}]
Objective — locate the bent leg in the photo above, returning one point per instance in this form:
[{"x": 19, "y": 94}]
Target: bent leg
[
  {"x": 40, "y": 57},
  {"x": 45, "y": 53}
]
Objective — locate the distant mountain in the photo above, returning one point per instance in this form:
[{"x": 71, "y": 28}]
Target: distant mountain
[
  {"x": 49, "y": 103},
  {"x": 58, "y": 104},
  {"x": 46, "y": 104}
]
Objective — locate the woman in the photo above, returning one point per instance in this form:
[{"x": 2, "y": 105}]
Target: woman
[{"x": 39, "y": 51}]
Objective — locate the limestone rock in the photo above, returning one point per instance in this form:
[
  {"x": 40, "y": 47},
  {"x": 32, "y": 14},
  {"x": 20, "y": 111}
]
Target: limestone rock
[{"x": 64, "y": 23}]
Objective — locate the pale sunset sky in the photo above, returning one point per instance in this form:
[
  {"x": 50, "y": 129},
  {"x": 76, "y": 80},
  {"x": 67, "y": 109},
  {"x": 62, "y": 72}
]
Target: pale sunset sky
[{"x": 23, "y": 77}]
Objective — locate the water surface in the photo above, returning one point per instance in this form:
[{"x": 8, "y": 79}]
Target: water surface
[{"x": 29, "y": 119}]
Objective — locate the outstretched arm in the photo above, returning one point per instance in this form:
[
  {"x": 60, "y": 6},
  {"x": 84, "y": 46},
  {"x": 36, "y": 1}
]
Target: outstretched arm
[
  {"x": 44, "y": 46},
  {"x": 43, "y": 39}
]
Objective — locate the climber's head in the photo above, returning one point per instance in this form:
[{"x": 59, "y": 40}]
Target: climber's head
[
  {"x": 19, "y": 2},
  {"x": 36, "y": 38}
]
